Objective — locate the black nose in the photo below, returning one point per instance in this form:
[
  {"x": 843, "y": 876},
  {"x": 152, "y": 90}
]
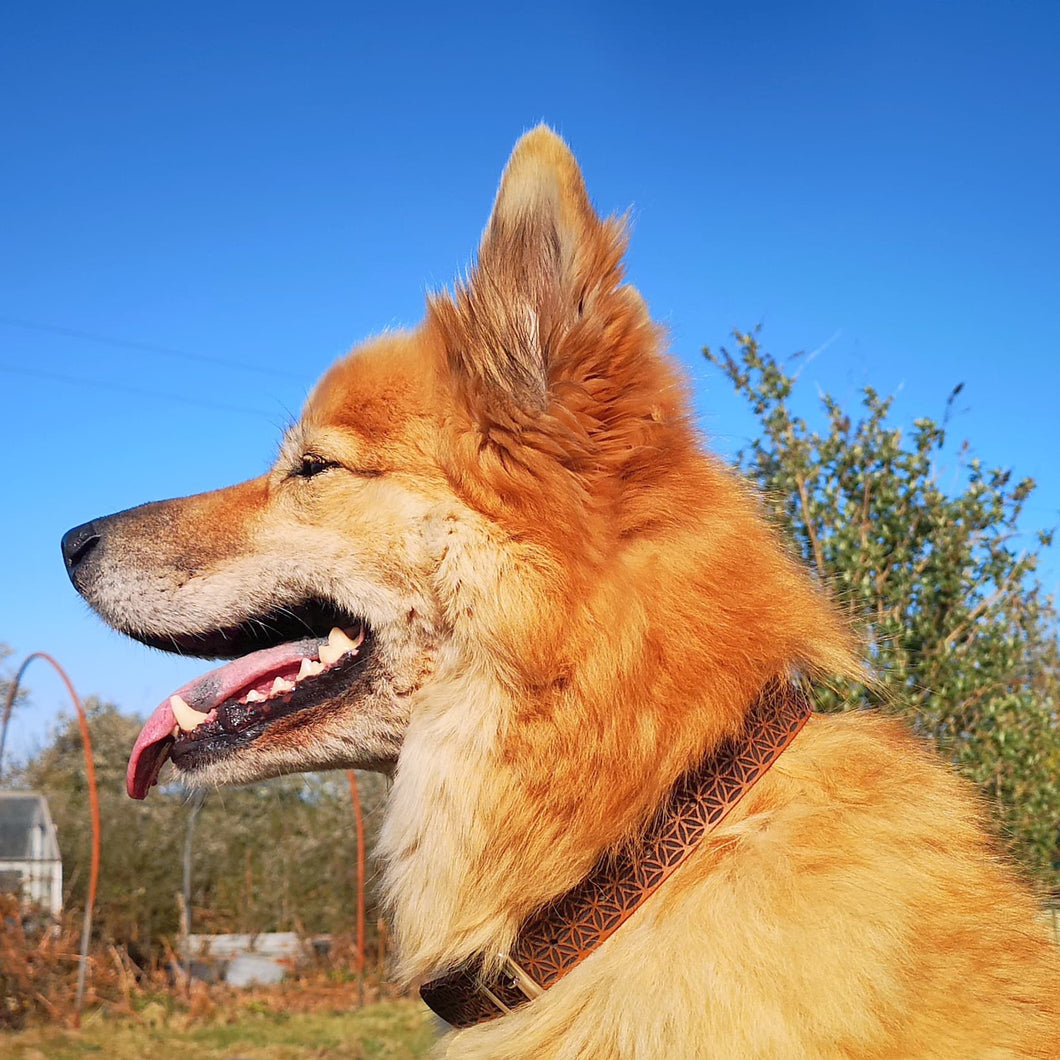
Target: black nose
[{"x": 77, "y": 544}]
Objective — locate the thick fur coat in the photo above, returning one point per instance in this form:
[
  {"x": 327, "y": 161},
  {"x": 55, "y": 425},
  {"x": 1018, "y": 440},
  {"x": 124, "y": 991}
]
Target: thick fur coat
[
  {"x": 572, "y": 603},
  {"x": 618, "y": 627}
]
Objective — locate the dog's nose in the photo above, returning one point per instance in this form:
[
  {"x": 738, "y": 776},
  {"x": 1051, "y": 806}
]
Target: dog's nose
[{"x": 77, "y": 544}]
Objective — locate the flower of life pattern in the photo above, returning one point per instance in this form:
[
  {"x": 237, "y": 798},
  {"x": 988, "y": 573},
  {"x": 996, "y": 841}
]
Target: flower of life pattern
[{"x": 569, "y": 928}]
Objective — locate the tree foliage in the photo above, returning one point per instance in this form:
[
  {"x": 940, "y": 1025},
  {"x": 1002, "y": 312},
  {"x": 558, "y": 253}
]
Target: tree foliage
[
  {"x": 5, "y": 689},
  {"x": 932, "y": 567},
  {"x": 272, "y": 857}
]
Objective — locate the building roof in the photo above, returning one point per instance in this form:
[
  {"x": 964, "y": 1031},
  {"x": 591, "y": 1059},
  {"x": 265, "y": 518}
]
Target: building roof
[{"x": 21, "y": 814}]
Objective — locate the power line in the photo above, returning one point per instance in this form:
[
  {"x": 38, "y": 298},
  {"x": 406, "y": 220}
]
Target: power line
[
  {"x": 154, "y": 395},
  {"x": 143, "y": 347}
]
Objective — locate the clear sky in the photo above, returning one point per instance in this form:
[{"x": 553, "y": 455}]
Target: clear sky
[{"x": 257, "y": 186}]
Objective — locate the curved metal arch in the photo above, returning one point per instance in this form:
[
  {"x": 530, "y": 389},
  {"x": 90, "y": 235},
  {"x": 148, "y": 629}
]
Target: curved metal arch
[{"x": 93, "y": 800}]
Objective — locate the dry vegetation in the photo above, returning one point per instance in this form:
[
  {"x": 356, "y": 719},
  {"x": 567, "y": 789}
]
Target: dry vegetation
[{"x": 326, "y": 1011}]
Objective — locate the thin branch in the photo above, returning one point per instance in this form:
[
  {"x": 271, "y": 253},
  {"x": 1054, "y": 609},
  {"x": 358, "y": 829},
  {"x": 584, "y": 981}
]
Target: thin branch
[
  {"x": 811, "y": 533},
  {"x": 985, "y": 604}
]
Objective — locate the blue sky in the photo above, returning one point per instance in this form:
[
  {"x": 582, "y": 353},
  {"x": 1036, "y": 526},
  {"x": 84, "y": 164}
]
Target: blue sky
[{"x": 259, "y": 186}]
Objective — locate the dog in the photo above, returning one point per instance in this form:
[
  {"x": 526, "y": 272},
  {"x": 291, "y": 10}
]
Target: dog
[{"x": 493, "y": 560}]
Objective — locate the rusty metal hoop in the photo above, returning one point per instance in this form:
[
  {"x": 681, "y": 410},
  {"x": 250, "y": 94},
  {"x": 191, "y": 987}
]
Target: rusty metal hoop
[{"x": 93, "y": 799}]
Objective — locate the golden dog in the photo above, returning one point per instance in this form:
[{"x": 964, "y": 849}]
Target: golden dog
[{"x": 493, "y": 559}]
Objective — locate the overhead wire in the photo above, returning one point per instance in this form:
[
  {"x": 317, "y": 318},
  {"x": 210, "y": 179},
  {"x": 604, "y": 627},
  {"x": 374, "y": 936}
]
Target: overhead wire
[
  {"x": 144, "y": 347},
  {"x": 122, "y": 388},
  {"x": 141, "y": 347}
]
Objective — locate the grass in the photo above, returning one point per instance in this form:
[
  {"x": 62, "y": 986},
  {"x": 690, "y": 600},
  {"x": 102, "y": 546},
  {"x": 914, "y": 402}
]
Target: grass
[{"x": 389, "y": 1030}]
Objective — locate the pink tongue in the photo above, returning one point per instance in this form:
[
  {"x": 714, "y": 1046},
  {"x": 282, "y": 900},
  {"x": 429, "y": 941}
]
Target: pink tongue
[{"x": 152, "y": 746}]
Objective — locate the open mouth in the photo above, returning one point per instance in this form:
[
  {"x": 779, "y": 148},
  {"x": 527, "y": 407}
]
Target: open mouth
[{"x": 271, "y": 677}]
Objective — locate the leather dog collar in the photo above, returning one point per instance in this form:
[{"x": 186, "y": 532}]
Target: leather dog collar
[{"x": 570, "y": 927}]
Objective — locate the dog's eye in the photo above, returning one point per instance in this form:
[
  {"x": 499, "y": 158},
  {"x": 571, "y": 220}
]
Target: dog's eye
[{"x": 313, "y": 465}]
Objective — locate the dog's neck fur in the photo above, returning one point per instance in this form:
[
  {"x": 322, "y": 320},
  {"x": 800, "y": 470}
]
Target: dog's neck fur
[
  {"x": 488, "y": 819},
  {"x": 584, "y": 500}
]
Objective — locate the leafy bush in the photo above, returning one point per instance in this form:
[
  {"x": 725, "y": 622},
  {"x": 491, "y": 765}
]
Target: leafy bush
[{"x": 957, "y": 628}]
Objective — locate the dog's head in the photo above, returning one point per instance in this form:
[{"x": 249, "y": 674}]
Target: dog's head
[{"x": 426, "y": 468}]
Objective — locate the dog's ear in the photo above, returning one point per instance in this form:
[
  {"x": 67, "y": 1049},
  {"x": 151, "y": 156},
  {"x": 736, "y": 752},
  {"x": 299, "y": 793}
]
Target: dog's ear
[{"x": 545, "y": 260}]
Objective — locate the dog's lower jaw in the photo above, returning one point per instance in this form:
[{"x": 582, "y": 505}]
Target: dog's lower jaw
[
  {"x": 375, "y": 755},
  {"x": 365, "y": 732}
]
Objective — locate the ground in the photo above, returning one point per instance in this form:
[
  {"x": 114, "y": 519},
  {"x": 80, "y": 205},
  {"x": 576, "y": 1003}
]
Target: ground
[{"x": 389, "y": 1030}]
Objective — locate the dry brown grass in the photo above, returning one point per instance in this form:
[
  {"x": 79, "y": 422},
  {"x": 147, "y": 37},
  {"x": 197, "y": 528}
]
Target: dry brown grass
[{"x": 38, "y": 982}]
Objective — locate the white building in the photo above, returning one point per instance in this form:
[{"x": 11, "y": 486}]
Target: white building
[{"x": 30, "y": 864}]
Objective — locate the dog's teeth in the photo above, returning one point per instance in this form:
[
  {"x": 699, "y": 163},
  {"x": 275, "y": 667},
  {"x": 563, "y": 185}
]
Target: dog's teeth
[
  {"x": 338, "y": 645},
  {"x": 330, "y": 654},
  {"x": 176, "y": 732},
  {"x": 188, "y": 718},
  {"x": 339, "y": 638},
  {"x": 309, "y": 668},
  {"x": 280, "y": 685},
  {"x": 254, "y": 696}
]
